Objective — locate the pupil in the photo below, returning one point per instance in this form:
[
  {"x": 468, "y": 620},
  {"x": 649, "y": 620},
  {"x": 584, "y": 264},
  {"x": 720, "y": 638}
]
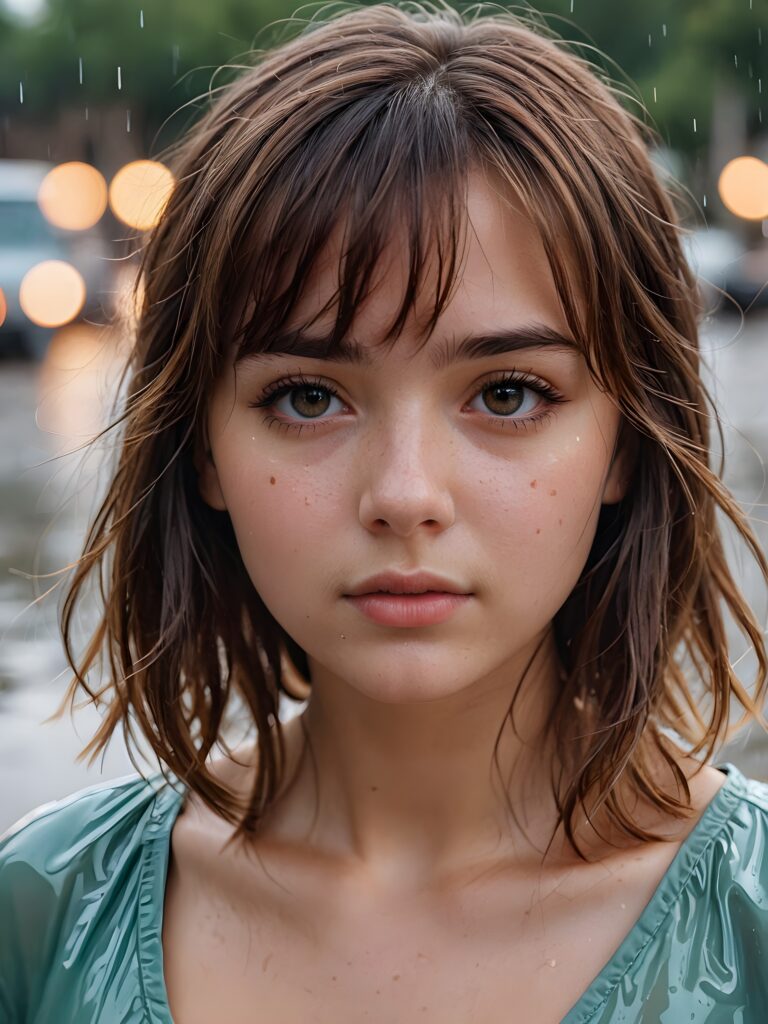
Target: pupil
[
  {"x": 312, "y": 398},
  {"x": 506, "y": 393}
]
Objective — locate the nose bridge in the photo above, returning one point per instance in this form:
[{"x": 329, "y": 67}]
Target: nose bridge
[{"x": 406, "y": 469}]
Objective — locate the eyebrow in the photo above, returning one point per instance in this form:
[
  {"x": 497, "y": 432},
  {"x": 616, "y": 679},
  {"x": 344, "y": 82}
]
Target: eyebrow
[{"x": 473, "y": 346}]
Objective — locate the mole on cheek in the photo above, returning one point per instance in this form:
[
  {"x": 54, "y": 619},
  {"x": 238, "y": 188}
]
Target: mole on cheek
[
  {"x": 533, "y": 483},
  {"x": 271, "y": 479},
  {"x": 552, "y": 494}
]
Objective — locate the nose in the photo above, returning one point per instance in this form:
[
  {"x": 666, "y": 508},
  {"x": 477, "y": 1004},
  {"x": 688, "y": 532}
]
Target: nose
[{"x": 406, "y": 474}]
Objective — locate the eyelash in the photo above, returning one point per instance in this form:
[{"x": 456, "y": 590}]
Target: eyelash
[{"x": 274, "y": 392}]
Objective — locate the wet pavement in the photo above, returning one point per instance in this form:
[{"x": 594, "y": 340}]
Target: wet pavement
[{"x": 48, "y": 491}]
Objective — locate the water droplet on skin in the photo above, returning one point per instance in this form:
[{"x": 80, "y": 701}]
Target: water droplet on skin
[
  {"x": 342, "y": 636},
  {"x": 623, "y": 906},
  {"x": 578, "y": 438},
  {"x": 551, "y": 963}
]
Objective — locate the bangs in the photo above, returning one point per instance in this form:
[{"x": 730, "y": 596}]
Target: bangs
[{"x": 379, "y": 174}]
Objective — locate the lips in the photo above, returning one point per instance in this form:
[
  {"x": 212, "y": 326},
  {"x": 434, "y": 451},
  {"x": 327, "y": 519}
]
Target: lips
[{"x": 411, "y": 583}]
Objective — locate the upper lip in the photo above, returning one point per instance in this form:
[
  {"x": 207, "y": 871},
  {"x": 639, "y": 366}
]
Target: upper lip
[{"x": 412, "y": 583}]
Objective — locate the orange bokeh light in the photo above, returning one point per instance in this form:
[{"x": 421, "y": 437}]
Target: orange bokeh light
[
  {"x": 139, "y": 191},
  {"x": 52, "y": 293},
  {"x": 73, "y": 196},
  {"x": 3, "y": 308},
  {"x": 743, "y": 187}
]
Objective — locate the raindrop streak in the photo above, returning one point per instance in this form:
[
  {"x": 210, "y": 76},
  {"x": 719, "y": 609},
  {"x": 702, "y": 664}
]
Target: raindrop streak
[
  {"x": 571, "y": 6},
  {"x": 664, "y": 30},
  {"x": 759, "y": 85},
  {"x": 119, "y": 78},
  {"x": 86, "y": 113},
  {"x": 735, "y": 61},
  {"x": 127, "y": 120},
  {"x": 21, "y": 93},
  {"x": 694, "y": 124},
  {"x": 80, "y": 69},
  {"x": 705, "y": 199},
  {"x": 654, "y": 94},
  {"x": 141, "y": 19},
  {"x": 649, "y": 38},
  {"x": 760, "y": 37}
]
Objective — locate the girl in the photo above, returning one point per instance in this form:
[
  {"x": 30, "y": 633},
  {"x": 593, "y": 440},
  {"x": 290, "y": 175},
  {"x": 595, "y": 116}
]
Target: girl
[{"x": 414, "y": 429}]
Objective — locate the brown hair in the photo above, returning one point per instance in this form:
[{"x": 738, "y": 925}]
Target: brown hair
[{"x": 376, "y": 114}]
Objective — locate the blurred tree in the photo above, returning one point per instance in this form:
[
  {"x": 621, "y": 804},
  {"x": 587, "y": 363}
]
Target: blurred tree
[{"x": 672, "y": 55}]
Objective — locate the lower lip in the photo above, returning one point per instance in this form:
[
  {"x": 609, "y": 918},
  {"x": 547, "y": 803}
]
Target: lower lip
[{"x": 409, "y": 609}]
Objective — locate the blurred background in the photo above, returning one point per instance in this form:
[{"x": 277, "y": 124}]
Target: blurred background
[{"x": 91, "y": 92}]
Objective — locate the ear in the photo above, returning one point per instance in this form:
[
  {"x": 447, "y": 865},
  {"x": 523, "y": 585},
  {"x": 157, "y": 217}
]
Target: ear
[
  {"x": 207, "y": 475},
  {"x": 622, "y": 466}
]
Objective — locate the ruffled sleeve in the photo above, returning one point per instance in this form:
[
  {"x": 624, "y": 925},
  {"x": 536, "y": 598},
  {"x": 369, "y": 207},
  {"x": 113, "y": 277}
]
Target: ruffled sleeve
[{"x": 69, "y": 882}]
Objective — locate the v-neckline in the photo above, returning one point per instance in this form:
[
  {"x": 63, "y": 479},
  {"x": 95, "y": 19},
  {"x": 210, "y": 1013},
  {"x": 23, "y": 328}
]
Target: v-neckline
[{"x": 156, "y": 858}]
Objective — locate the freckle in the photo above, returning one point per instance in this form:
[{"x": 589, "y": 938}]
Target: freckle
[
  {"x": 395, "y": 977},
  {"x": 552, "y": 494},
  {"x": 333, "y": 977},
  {"x": 374, "y": 789},
  {"x": 560, "y": 522},
  {"x": 378, "y": 991},
  {"x": 533, "y": 483},
  {"x": 538, "y": 531},
  {"x": 271, "y": 479},
  {"x": 306, "y": 501}
]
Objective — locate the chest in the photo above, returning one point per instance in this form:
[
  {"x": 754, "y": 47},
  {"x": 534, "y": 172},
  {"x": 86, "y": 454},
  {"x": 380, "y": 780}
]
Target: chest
[{"x": 510, "y": 954}]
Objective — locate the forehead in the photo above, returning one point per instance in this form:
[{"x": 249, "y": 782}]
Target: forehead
[{"x": 504, "y": 275}]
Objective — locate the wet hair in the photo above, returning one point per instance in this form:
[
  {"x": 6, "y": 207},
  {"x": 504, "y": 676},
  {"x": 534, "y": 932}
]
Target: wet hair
[{"x": 371, "y": 118}]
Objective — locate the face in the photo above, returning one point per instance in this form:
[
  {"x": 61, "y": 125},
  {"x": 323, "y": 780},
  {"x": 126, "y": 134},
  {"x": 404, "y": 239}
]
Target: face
[{"x": 487, "y": 470}]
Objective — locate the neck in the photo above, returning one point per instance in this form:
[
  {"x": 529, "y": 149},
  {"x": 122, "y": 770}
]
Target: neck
[{"x": 411, "y": 791}]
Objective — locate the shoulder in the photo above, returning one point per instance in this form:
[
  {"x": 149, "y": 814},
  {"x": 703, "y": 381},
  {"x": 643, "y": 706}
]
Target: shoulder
[
  {"x": 740, "y": 843},
  {"x": 62, "y": 865},
  {"x": 726, "y": 875}
]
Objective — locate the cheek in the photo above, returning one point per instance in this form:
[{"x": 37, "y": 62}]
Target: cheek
[
  {"x": 542, "y": 517},
  {"x": 283, "y": 520}
]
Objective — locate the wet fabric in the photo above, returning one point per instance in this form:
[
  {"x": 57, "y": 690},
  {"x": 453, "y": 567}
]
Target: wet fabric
[{"x": 82, "y": 884}]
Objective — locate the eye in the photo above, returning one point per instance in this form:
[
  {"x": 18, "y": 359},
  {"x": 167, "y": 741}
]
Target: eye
[
  {"x": 298, "y": 397},
  {"x": 516, "y": 397},
  {"x": 505, "y": 399}
]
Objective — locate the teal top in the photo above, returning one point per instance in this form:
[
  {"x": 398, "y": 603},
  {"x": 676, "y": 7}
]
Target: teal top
[{"x": 82, "y": 884}]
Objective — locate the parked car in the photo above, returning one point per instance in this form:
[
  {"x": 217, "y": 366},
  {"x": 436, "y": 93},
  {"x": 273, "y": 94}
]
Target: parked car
[{"x": 28, "y": 238}]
